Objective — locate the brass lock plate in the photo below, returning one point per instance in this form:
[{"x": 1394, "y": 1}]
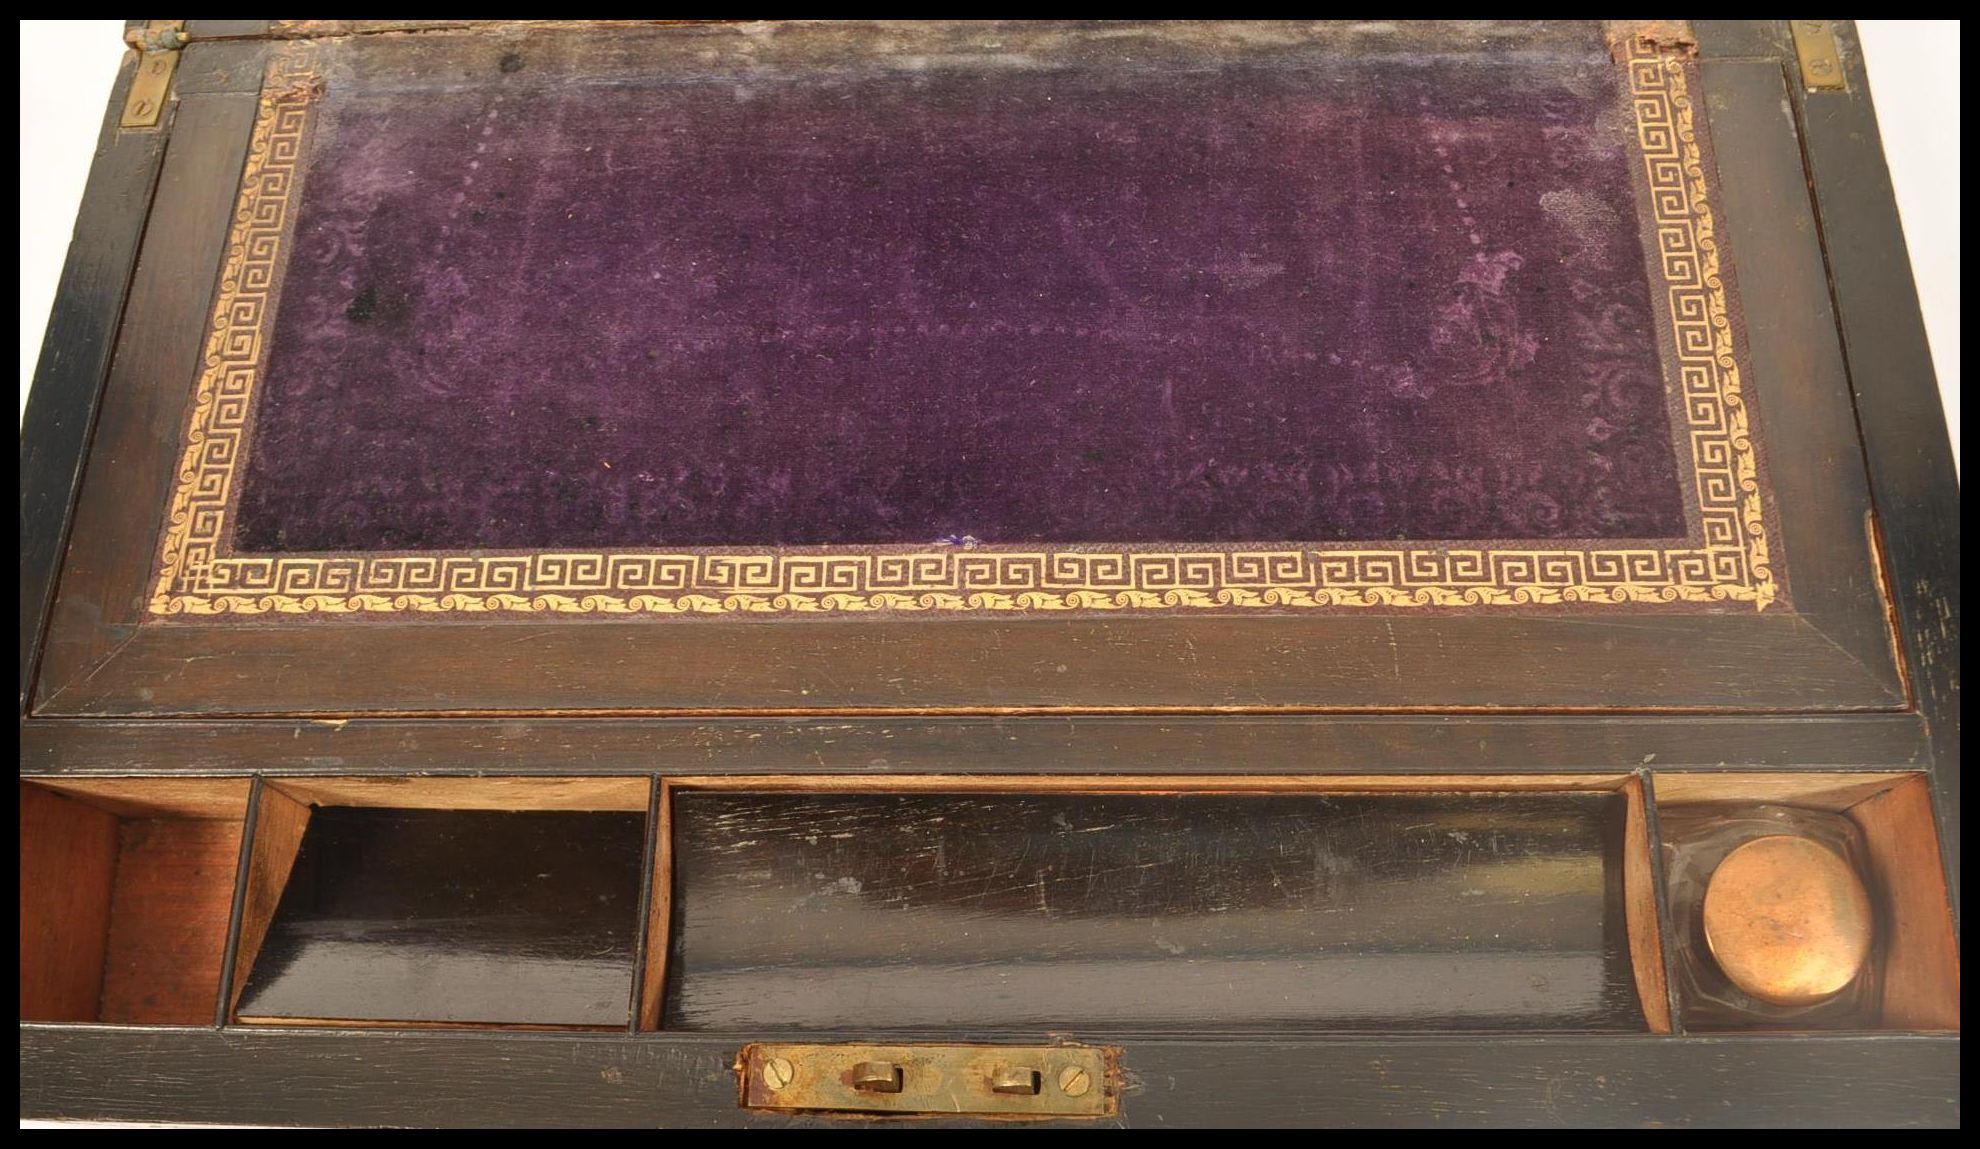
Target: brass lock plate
[
  {"x": 988, "y": 1080},
  {"x": 157, "y": 45},
  {"x": 1821, "y": 61}
]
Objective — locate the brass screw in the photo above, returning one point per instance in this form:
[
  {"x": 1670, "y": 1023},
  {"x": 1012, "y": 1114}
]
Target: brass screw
[
  {"x": 1074, "y": 1081},
  {"x": 777, "y": 1073}
]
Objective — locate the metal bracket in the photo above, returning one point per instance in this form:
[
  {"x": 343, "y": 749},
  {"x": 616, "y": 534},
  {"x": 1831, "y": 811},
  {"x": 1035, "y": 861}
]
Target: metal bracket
[
  {"x": 1041, "y": 1081},
  {"x": 1821, "y": 63},
  {"x": 157, "y": 45}
]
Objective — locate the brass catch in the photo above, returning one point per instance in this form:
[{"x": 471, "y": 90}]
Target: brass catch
[
  {"x": 1821, "y": 62},
  {"x": 991, "y": 1080},
  {"x": 157, "y": 45}
]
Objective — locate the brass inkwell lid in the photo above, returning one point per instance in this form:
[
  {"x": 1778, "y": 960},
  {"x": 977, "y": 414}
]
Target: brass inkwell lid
[{"x": 1788, "y": 920}]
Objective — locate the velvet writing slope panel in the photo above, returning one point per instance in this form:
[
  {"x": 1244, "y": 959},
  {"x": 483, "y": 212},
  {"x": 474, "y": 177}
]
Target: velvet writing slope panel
[{"x": 802, "y": 319}]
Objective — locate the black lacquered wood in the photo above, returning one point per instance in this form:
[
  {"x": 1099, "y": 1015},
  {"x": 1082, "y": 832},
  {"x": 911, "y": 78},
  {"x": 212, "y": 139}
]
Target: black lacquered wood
[
  {"x": 1180, "y": 911},
  {"x": 468, "y": 916},
  {"x": 68, "y": 379},
  {"x": 686, "y": 1080}
]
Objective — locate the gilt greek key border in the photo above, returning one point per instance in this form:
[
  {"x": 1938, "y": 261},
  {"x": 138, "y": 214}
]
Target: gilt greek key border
[{"x": 1726, "y": 562}]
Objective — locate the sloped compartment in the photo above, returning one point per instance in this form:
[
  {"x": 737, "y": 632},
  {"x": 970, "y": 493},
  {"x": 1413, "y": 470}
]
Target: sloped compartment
[{"x": 474, "y": 902}]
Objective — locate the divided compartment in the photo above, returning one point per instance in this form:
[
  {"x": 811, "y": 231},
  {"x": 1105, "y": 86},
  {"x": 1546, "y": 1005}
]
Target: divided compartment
[
  {"x": 1881, "y": 825},
  {"x": 127, "y": 886},
  {"x": 925, "y": 904},
  {"x": 1097, "y": 905},
  {"x": 511, "y": 902}
]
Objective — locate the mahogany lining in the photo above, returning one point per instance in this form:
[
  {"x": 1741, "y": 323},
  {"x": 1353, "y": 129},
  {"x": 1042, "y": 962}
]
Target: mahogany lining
[{"x": 126, "y": 892}]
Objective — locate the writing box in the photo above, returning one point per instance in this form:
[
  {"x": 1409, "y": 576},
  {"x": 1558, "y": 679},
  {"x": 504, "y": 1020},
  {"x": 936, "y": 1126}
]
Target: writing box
[{"x": 1184, "y": 573}]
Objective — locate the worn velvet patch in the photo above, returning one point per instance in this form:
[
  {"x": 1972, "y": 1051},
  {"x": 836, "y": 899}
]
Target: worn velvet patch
[{"x": 1383, "y": 298}]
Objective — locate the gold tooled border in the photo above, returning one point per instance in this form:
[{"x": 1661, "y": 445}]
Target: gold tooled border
[{"x": 1728, "y": 563}]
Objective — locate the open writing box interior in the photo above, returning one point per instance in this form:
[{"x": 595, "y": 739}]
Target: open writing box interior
[
  {"x": 962, "y": 531},
  {"x": 1089, "y": 906}
]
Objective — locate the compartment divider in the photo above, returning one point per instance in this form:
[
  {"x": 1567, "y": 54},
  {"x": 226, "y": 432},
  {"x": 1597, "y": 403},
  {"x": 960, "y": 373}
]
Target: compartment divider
[
  {"x": 277, "y": 833},
  {"x": 224, "y": 1000},
  {"x": 1666, "y": 932},
  {"x": 652, "y": 981},
  {"x": 648, "y": 890},
  {"x": 1642, "y": 909}
]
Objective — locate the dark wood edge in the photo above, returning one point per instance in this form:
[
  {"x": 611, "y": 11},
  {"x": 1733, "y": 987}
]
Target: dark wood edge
[
  {"x": 1071, "y": 744},
  {"x": 669, "y": 1080},
  {"x": 1796, "y": 369},
  {"x": 1743, "y": 39},
  {"x": 1899, "y": 411},
  {"x": 158, "y": 343},
  {"x": 1666, "y": 663},
  {"x": 224, "y": 1002},
  {"x": 1661, "y": 881},
  {"x": 653, "y": 888},
  {"x": 197, "y": 30},
  {"x": 1649, "y": 932},
  {"x": 75, "y": 355}
]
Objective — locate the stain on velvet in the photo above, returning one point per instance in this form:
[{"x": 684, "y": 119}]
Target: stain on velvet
[{"x": 1389, "y": 298}]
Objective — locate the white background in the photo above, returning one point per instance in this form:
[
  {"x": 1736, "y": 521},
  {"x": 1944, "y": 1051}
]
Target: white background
[{"x": 67, "y": 67}]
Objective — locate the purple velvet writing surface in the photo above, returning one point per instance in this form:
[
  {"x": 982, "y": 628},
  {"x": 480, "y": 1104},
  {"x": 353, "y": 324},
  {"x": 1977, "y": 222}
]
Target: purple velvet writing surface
[{"x": 1394, "y": 297}]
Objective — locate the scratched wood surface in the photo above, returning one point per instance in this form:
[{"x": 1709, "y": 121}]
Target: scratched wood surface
[
  {"x": 455, "y": 916},
  {"x": 1179, "y": 911}
]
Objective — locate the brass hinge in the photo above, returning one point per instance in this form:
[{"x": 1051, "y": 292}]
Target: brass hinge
[
  {"x": 1041, "y": 1081},
  {"x": 1815, "y": 46},
  {"x": 157, "y": 45}
]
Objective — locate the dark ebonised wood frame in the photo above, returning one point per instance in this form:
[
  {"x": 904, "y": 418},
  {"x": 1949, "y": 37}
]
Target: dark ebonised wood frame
[{"x": 1811, "y": 217}]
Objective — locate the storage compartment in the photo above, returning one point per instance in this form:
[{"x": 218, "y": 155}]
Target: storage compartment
[
  {"x": 1344, "y": 904},
  {"x": 126, "y": 890},
  {"x": 1807, "y": 901},
  {"x": 512, "y": 902},
  {"x": 1023, "y": 904}
]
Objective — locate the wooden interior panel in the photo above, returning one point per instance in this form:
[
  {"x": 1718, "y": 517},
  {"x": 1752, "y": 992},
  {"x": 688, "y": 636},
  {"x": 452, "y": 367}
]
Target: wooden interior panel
[
  {"x": 278, "y": 832},
  {"x": 158, "y": 797},
  {"x": 659, "y": 917},
  {"x": 68, "y": 859},
  {"x": 1921, "y": 954},
  {"x": 1640, "y": 896},
  {"x": 127, "y": 887},
  {"x": 476, "y": 793},
  {"x": 1819, "y": 791},
  {"x": 169, "y": 908}
]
